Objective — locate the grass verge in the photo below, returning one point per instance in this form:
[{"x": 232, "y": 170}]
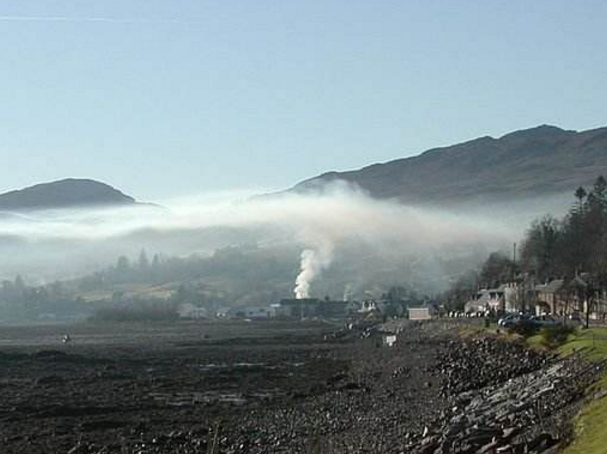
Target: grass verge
[
  {"x": 590, "y": 425},
  {"x": 590, "y": 430}
]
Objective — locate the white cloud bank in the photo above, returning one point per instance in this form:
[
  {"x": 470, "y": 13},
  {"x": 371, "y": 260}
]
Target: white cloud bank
[{"x": 319, "y": 224}]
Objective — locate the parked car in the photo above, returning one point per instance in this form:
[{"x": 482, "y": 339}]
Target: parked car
[
  {"x": 504, "y": 320},
  {"x": 576, "y": 317},
  {"x": 545, "y": 320},
  {"x": 512, "y": 320}
]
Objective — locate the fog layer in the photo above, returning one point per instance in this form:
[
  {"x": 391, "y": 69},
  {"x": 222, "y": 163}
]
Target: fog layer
[{"x": 324, "y": 228}]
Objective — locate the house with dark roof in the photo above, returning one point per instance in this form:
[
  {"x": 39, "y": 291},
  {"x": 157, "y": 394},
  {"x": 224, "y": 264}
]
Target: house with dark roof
[
  {"x": 550, "y": 296},
  {"x": 563, "y": 296},
  {"x": 486, "y": 299}
]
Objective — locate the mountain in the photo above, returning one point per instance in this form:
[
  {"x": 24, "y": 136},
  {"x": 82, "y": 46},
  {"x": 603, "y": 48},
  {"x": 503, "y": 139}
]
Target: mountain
[
  {"x": 66, "y": 193},
  {"x": 529, "y": 163}
]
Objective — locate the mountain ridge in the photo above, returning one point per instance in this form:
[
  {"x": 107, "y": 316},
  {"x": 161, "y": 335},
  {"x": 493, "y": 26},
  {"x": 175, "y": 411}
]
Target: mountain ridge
[
  {"x": 64, "y": 193},
  {"x": 525, "y": 163},
  {"x": 521, "y": 164}
]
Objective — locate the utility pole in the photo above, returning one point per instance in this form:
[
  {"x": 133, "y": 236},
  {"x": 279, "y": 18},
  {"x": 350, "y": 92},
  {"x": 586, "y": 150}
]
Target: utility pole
[{"x": 519, "y": 296}]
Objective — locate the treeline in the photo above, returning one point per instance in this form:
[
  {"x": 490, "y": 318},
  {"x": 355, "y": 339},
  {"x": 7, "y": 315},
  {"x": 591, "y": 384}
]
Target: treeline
[
  {"x": 125, "y": 270},
  {"x": 247, "y": 263},
  {"x": 553, "y": 248},
  {"x": 574, "y": 244},
  {"x": 230, "y": 275},
  {"x": 19, "y": 301}
]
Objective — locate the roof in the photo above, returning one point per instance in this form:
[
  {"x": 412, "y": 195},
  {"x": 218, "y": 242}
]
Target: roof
[
  {"x": 298, "y": 301},
  {"x": 551, "y": 287},
  {"x": 421, "y": 308},
  {"x": 484, "y": 296},
  {"x": 578, "y": 282}
]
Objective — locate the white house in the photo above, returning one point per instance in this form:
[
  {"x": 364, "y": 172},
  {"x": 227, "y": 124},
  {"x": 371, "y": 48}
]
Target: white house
[
  {"x": 421, "y": 313},
  {"x": 188, "y": 310}
]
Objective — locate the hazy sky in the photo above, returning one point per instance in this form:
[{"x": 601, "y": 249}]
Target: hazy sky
[{"x": 167, "y": 98}]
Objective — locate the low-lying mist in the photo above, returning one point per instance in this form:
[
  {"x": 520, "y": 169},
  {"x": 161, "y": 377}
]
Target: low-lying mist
[{"x": 372, "y": 242}]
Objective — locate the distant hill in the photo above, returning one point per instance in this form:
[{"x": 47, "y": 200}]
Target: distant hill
[
  {"x": 66, "y": 193},
  {"x": 523, "y": 164}
]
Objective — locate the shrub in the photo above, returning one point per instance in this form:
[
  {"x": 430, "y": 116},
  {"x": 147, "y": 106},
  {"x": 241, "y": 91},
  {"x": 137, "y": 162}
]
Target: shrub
[
  {"x": 525, "y": 329},
  {"x": 137, "y": 312},
  {"x": 554, "y": 336}
]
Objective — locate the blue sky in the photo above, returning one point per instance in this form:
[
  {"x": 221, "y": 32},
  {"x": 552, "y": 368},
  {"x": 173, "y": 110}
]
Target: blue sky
[{"x": 170, "y": 98}]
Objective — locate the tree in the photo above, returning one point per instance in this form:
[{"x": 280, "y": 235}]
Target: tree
[
  {"x": 461, "y": 291},
  {"x": 574, "y": 248},
  {"x": 599, "y": 189},
  {"x": 397, "y": 293},
  {"x": 594, "y": 227},
  {"x": 122, "y": 271},
  {"x": 56, "y": 290},
  {"x": 123, "y": 264},
  {"x": 540, "y": 248},
  {"x": 156, "y": 262},
  {"x": 156, "y": 269},
  {"x": 580, "y": 194},
  {"x": 19, "y": 284},
  {"x": 497, "y": 269},
  {"x": 144, "y": 262}
]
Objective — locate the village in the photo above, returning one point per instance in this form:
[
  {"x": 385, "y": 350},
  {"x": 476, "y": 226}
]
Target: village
[
  {"x": 371, "y": 310},
  {"x": 568, "y": 299},
  {"x": 564, "y": 299}
]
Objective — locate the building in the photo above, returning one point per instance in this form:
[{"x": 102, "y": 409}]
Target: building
[
  {"x": 313, "y": 307},
  {"x": 298, "y": 308},
  {"x": 369, "y": 306},
  {"x": 512, "y": 296},
  {"x": 188, "y": 310},
  {"x": 421, "y": 313},
  {"x": 487, "y": 299},
  {"x": 386, "y": 307},
  {"x": 562, "y": 297},
  {"x": 549, "y": 296},
  {"x": 252, "y": 312}
]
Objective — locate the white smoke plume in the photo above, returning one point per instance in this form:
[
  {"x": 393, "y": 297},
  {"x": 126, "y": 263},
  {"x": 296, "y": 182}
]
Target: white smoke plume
[{"x": 313, "y": 262}]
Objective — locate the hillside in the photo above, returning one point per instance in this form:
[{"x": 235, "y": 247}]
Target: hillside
[
  {"x": 63, "y": 194},
  {"x": 523, "y": 164}
]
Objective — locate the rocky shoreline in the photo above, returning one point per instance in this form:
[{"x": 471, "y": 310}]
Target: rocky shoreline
[
  {"x": 522, "y": 403},
  {"x": 432, "y": 392}
]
